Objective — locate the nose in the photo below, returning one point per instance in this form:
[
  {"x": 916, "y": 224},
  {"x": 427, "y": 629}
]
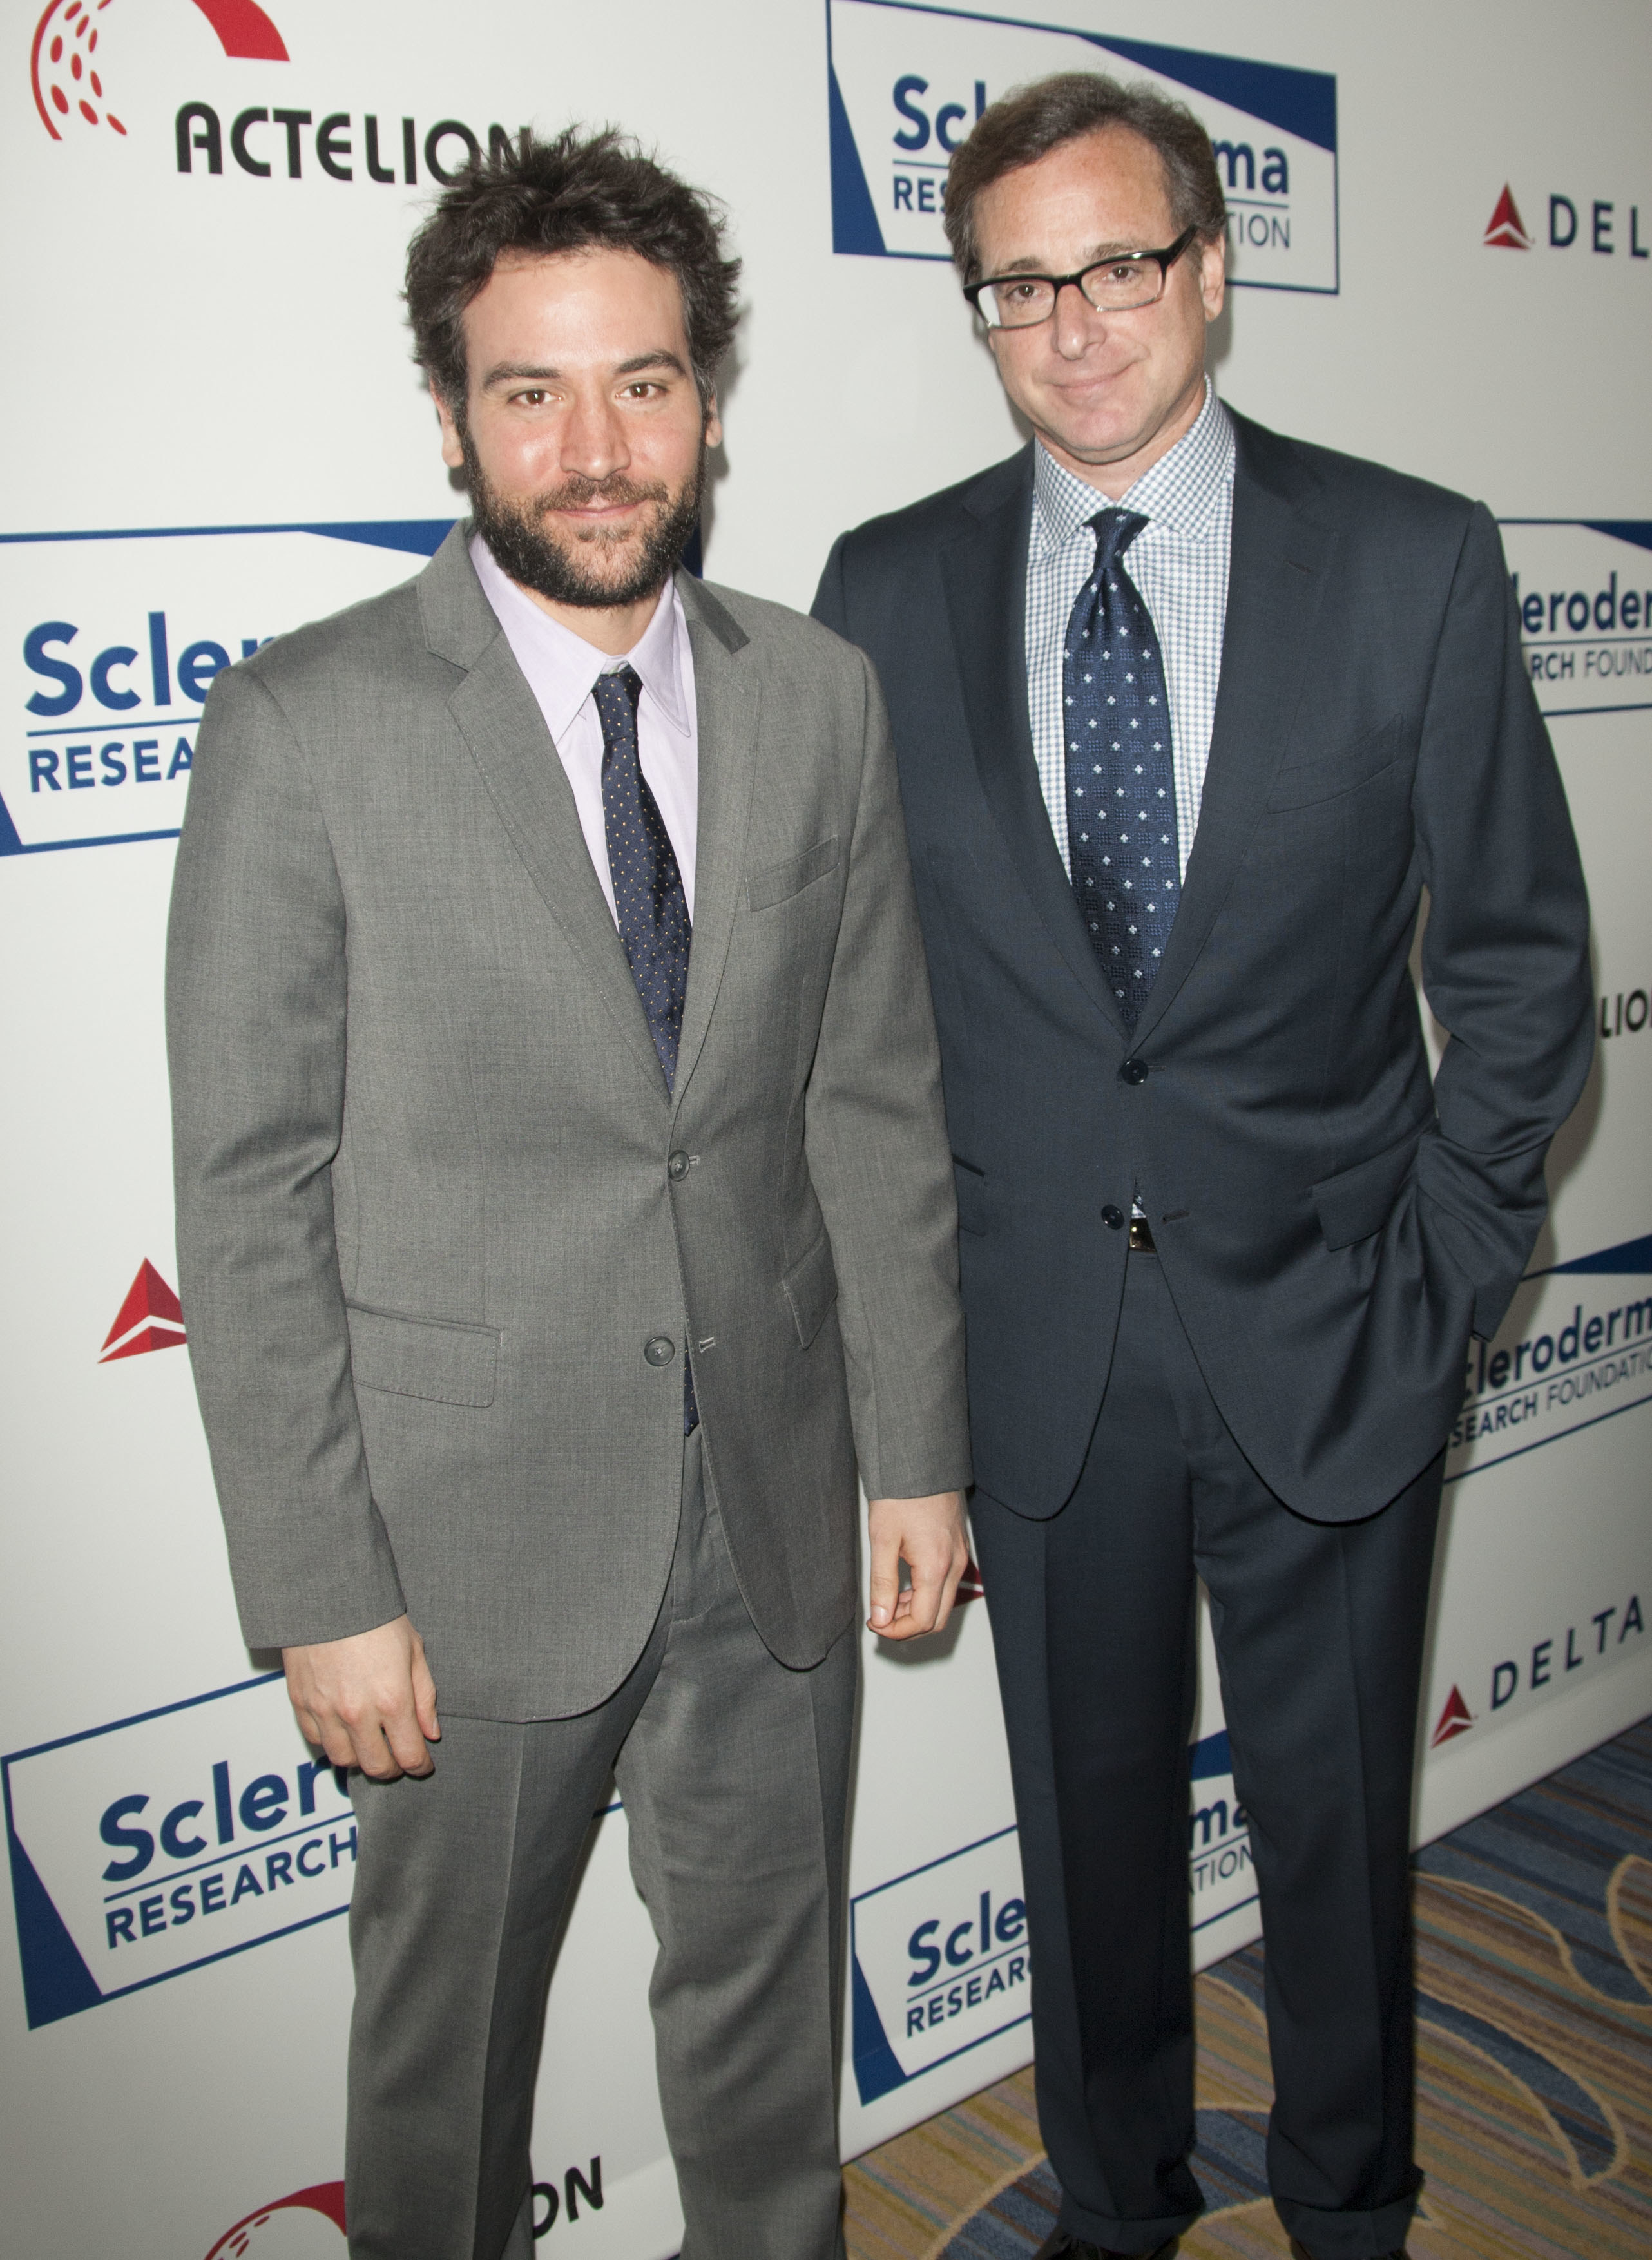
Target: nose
[
  {"x": 593, "y": 437},
  {"x": 1075, "y": 323}
]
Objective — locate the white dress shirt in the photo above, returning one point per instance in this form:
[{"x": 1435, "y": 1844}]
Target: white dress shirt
[
  {"x": 562, "y": 671},
  {"x": 1178, "y": 560}
]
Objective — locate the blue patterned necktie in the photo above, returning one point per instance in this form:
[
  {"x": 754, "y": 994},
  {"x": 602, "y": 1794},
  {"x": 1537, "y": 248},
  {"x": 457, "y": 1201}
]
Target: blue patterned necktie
[
  {"x": 1120, "y": 783},
  {"x": 649, "y": 902}
]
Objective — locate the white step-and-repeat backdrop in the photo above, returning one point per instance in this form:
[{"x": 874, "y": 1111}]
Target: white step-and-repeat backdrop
[{"x": 1442, "y": 233}]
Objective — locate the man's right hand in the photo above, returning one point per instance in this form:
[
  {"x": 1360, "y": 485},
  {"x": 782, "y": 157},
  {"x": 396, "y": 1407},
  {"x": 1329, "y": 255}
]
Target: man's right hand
[{"x": 368, "y": 1701}]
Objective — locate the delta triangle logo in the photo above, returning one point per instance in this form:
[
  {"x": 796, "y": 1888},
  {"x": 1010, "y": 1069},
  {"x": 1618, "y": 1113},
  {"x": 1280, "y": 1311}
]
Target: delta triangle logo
[
  {"x": 1455, "y": 1719},
  {"x": 151, "y": 1317},
  {"x": 1506, "y": 230}
]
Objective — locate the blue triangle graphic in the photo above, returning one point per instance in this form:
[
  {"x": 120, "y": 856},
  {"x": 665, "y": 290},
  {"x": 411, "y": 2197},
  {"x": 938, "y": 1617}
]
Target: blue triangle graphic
[
  {"x": 1638, "y": 530},
  {"x": 56, "y": 1982},
  {"x": 420, "y": 537},
  {"x": 854, "y": 228},
  {"x": 1209, "y": 1759},
  {"x": 1300, "y": 102},
  {"x": 1628, "y": 1256},
  {"x": 875, "y": 2069}
]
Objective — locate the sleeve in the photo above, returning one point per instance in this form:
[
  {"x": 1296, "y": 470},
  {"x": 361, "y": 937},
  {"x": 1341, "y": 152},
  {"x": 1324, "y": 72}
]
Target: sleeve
[
  {"x": 876, "y": 1137},
  {"x": 1506, "y": 951},
  {"x": 255, "y": 1034}
]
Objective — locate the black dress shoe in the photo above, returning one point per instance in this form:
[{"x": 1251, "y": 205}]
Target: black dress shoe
[
  {"x": 1299, "y": 2251},
  {"x": 1061, "y": 2246}
]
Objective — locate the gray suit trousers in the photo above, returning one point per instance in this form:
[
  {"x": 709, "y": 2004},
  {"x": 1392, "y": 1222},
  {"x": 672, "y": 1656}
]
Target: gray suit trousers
[{"x": 735, "y": 1774}]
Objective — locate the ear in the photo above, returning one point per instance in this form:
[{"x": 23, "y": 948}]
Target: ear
[
  {"x": 453, "y": 451},
  {"x": 1212, "y": 276},
  {"x": 713, "y": 426}
]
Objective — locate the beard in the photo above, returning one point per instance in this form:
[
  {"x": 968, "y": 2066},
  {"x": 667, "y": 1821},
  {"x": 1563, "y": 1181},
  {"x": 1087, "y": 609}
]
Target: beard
[{"x": 598, "y": 570}]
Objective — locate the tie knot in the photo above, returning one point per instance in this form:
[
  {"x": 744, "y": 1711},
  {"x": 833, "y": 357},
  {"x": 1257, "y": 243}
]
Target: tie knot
[{"x": 1115, "y": 531}]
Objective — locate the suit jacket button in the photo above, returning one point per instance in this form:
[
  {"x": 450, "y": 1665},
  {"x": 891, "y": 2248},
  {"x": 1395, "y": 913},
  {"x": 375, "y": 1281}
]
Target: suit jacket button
[
  {"x": 1113, "y": 1217},
  {"x": 1134, "y": 1070},
  {"x": 678, "y": 1165},
  {"x": 658, "y": 1350}
]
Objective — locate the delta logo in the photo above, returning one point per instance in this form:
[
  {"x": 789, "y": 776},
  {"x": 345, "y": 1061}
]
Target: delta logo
[
  {"x": 1455, "y": 1718},
  {"x": 306, "y": 2225},
  {"x": 1546, "y": 1658},
  {"x": 1604, "y": 232},
  {"x": 151, "y": 1317},
  {"x": 1506, "y": 230},
  {"x": 66, "y": 70}
]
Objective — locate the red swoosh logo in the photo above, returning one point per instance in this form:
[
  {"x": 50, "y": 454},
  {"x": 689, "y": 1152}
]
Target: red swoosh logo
[{"x": 243, "y": 30}]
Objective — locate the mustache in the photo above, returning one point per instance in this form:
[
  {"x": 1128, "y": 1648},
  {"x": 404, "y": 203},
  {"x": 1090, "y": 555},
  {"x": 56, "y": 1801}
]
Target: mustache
[{"x": 577, "y": 493}]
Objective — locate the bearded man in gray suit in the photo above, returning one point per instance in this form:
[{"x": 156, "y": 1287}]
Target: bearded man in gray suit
[{"x": 565, "y": 1211}]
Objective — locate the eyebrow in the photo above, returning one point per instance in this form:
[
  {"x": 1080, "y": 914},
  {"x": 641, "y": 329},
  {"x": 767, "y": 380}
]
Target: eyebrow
[
  {"x": 520, "y": 372},
  {"x": 1098, "y": 252}
]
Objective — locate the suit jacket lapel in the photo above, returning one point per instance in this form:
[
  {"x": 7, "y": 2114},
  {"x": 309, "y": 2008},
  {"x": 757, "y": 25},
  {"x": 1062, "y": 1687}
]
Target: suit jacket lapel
[
  {"x": 985, "y": 573},
  {"x": 501, "y": 722},
  {"x": 1276, "y": 578},
  {"x": 727, "y": 700}
]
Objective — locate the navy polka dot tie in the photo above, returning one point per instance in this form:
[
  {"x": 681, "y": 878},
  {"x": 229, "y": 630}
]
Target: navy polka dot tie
[
  {"x": 1120, "y": 784},
  {"x": 649, "y": 902}
]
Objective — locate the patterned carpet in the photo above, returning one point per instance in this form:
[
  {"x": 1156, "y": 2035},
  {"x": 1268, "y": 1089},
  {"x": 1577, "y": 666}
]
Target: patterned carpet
[{"x": 1535, "y": 2063}]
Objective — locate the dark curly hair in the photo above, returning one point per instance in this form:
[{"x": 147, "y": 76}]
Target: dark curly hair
[{"x": 579, "y": 190}]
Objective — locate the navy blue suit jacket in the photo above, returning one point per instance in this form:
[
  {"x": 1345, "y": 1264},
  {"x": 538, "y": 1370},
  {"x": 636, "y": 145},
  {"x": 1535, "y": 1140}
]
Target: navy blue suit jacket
[{"x": 1332, "y": 1225}]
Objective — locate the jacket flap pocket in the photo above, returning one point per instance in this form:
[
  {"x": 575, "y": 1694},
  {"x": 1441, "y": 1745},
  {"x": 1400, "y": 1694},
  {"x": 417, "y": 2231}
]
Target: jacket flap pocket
[
  {"x": 1357, "y": 1202},
  {"x": 423, "y": 1357},
  {"x": 811, "y": 1288},
  {"x": 776, "y": 882},
  {"x": 1306, "y": 782}
]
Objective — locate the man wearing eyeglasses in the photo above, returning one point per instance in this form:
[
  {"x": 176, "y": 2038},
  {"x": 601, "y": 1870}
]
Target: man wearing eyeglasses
[{"x": 1187, "y": 717}]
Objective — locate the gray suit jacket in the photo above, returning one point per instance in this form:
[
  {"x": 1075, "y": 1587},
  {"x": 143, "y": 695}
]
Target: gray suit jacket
[{"x": 433, "y": 1196}]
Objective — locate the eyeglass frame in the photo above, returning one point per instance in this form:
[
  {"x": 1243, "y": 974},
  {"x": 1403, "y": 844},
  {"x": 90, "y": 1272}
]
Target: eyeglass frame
[{"x": 1166, "y": 260}]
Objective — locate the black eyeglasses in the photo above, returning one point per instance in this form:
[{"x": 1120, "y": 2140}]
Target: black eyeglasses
[{"x": 1111, "y": 286}]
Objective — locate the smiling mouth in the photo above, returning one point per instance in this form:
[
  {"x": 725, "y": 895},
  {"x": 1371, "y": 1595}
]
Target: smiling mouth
[{"x": 595, "y": 512}]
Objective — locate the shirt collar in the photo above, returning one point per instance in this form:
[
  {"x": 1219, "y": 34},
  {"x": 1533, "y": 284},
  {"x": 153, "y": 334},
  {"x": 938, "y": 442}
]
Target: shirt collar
[
  {"x": 1180, "y": 490},
  {"x": 562, "y": 668}
]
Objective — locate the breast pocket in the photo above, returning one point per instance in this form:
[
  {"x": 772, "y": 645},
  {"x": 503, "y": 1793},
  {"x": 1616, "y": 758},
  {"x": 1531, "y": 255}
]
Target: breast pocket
[
  {"x": 1301, "y": 783},
  {"x": 778, "y": 882}
]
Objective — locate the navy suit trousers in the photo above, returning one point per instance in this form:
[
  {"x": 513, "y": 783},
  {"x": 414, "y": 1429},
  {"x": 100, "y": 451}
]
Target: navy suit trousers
[{"x": 1319, "y": 1630}]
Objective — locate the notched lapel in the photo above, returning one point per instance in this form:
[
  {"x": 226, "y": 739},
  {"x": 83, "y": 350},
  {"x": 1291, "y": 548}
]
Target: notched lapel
[
  {"x": 727, "y": 699},
  {"x": 1276, "y": 578},
  {"x": 984, "y": 574},
  {"x": 501, "y": 722}
]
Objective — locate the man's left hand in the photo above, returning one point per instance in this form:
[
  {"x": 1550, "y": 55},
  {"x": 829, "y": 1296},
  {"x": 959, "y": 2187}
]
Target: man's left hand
[{"x": 928, "y": 1535}]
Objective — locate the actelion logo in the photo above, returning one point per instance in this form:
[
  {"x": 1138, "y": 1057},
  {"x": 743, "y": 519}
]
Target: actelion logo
[
  {"x": 270, "y": 2228},
  {"x": 66, "y": 70}
]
